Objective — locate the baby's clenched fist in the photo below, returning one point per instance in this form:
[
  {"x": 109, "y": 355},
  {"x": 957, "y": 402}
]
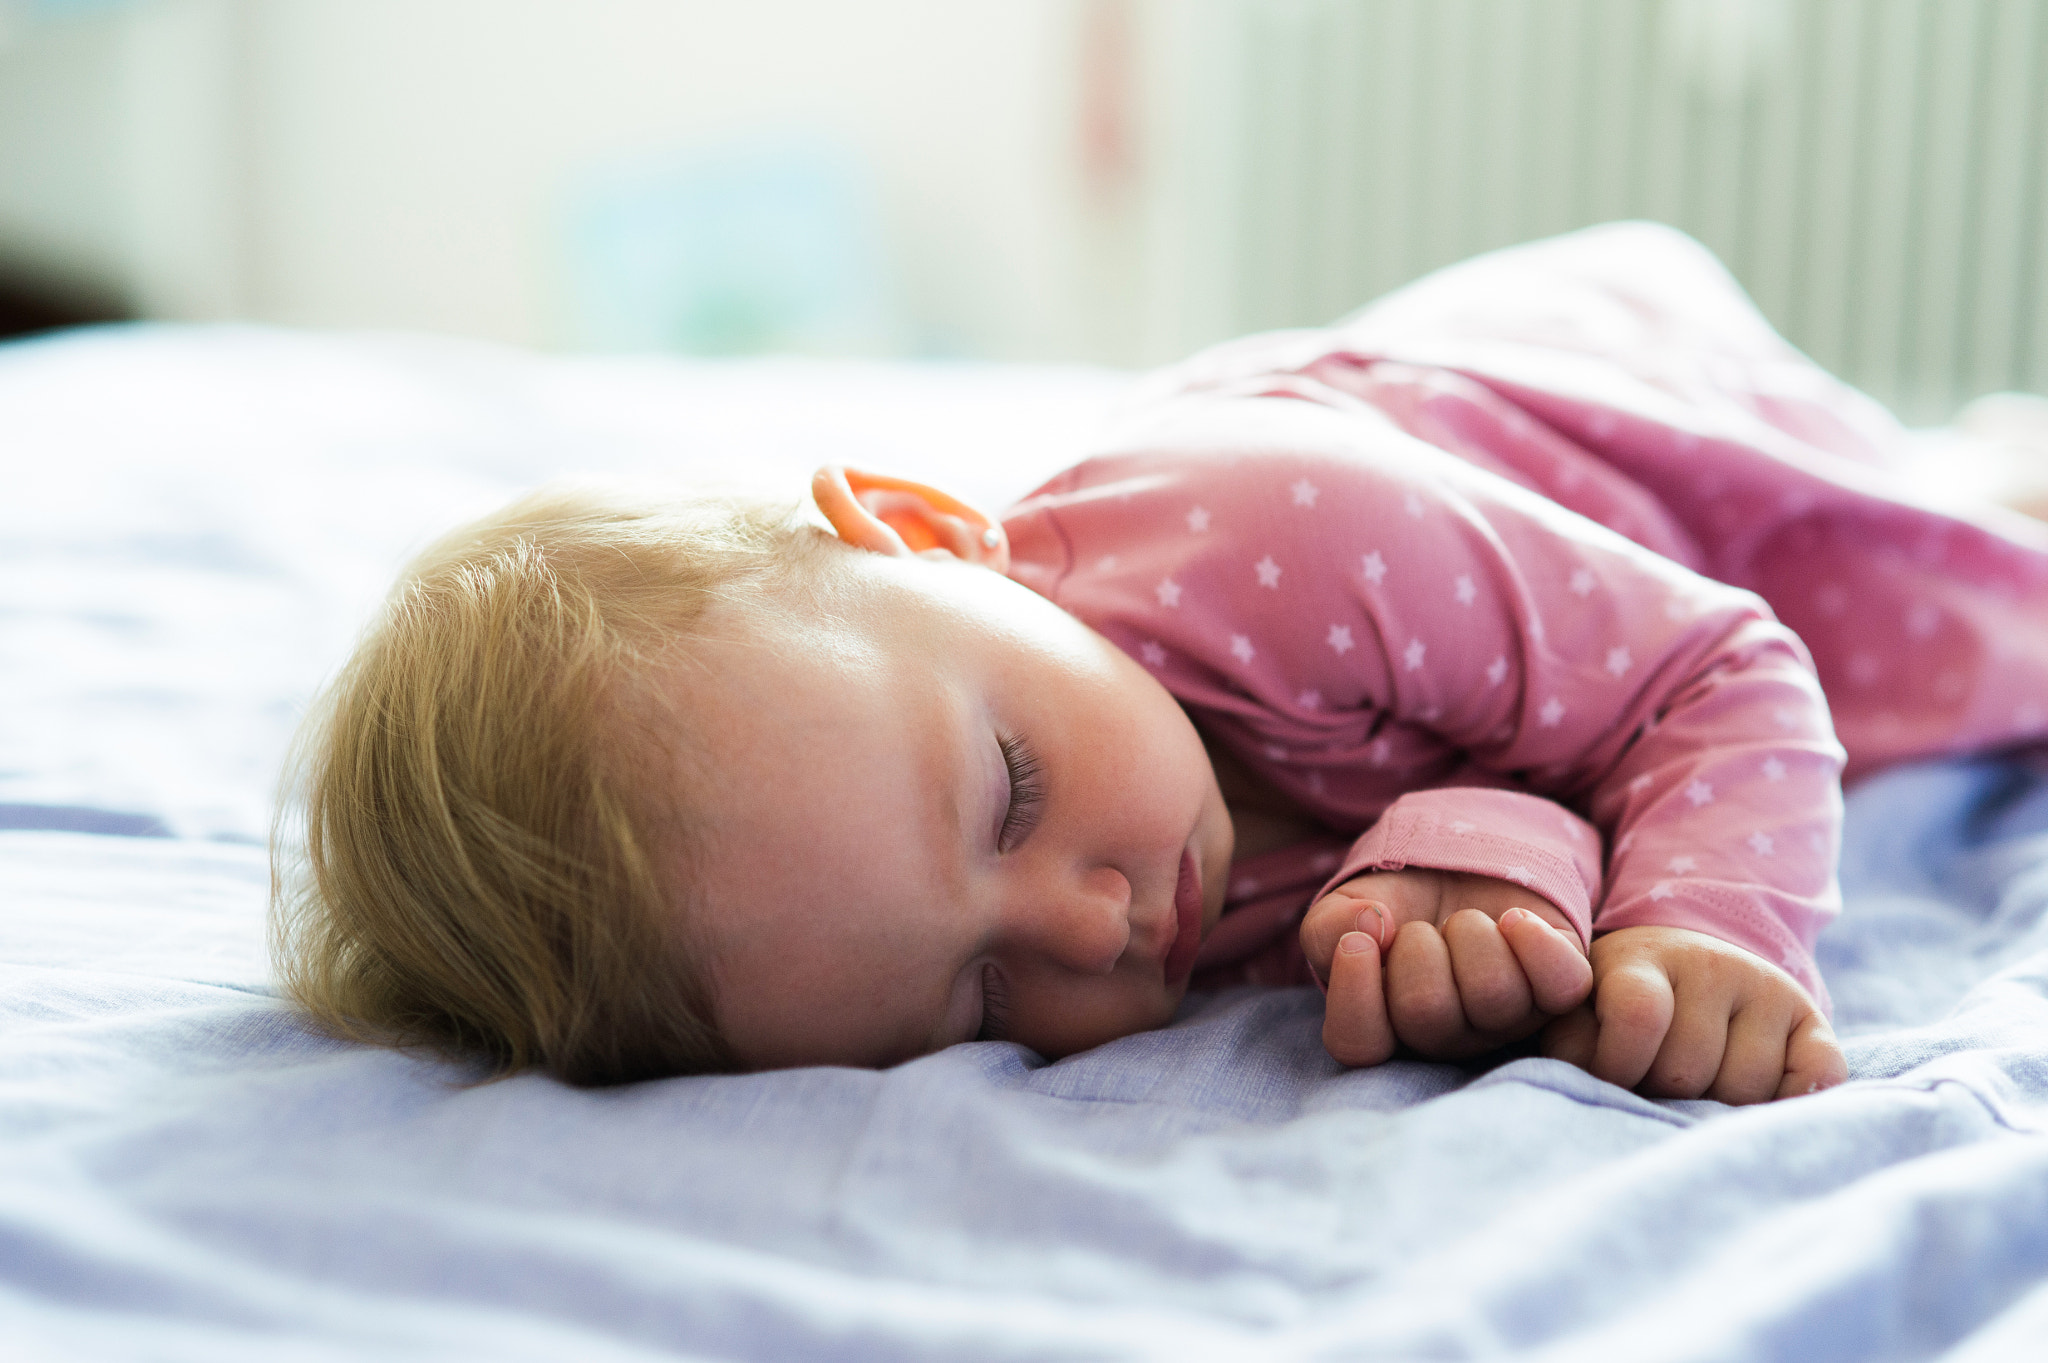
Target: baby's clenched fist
[
  {"x": 1679, "y": 1014},
  {"x": 1449, "y": 963}
]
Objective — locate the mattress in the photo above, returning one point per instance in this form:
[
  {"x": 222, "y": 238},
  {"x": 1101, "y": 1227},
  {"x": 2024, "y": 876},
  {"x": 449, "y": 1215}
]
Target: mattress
[{"x": 194, "y": 522}]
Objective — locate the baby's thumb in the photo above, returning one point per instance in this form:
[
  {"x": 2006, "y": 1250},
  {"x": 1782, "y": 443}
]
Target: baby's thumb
[
  {"x": 1560, "y": 977},
  {"x": 1329, "y": 918},
  {"x": 1813, "y": 1059}
]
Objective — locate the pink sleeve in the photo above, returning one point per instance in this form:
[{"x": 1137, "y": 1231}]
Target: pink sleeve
[
  {"x": 1361, "y": 615},
  {"x": 1533, "y": 842}
]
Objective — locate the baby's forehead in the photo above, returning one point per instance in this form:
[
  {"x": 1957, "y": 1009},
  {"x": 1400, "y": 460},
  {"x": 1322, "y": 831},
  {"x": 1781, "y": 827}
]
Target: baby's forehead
[
  {"x": 818, "y": 674},
  {"x": 810, "y": 745},
  {"x": 853, "y": 608},
  {"x": 789, "y": 645},
  {"x": 733, "y": 724},
  {"x": 766, "y": 670}
]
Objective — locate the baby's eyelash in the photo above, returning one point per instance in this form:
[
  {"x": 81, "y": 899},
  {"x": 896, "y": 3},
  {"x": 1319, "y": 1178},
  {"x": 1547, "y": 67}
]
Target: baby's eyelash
[
  {"x": 995, "y": 1006},
  {"x": 1027, "y": 791}
]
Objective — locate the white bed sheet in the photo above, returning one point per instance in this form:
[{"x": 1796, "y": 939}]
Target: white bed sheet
[{"x": 194, "y": 522}]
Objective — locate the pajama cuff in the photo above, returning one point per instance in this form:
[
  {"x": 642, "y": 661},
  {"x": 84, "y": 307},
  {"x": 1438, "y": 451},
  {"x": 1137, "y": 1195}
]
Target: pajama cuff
[{"x": 1525, "y": 839}]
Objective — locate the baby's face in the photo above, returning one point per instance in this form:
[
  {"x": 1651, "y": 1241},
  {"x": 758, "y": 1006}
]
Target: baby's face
[{"x": 940, "y": 808}]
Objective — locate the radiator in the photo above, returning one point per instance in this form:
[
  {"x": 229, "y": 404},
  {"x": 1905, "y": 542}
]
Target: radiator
[{"x": 1874, "y": 171}]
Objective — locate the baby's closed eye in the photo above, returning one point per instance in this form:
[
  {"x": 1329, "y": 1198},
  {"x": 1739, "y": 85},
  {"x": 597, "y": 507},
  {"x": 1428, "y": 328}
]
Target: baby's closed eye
[{"x": 1027, "y": 792}]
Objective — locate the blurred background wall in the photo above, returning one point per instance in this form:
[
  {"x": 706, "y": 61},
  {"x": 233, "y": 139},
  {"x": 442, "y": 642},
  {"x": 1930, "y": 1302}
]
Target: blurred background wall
[
  {"x": 1875, "y": 172},
  {"x": 1106, "y": 180},
  {"x": 423, "y": 163}
]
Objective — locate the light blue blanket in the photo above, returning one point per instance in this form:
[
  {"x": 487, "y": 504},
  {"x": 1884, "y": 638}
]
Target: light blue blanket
[{"x": 186, "y": 1173}]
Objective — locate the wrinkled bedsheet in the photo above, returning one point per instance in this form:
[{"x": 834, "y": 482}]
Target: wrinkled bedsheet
[{"x": 192, "y": 523}]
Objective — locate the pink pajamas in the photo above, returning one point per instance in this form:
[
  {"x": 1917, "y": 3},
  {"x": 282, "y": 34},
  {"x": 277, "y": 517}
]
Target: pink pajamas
[{"x": 1450, "y": 574}]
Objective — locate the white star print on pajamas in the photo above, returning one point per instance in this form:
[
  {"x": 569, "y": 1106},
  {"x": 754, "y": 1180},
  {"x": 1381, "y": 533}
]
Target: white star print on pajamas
[
  {"x": 1475, "y": 641},
  {"x": 1445, "y": 692}
]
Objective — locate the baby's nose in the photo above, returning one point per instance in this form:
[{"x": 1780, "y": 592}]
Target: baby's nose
[{"x": 1088, "y": 927}]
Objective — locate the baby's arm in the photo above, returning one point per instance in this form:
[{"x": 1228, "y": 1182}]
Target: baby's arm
[
  {"x": 1357, "y": 614},
  {"x": 1455, "y": 963},
  {"x": 1712, "y": 777}
]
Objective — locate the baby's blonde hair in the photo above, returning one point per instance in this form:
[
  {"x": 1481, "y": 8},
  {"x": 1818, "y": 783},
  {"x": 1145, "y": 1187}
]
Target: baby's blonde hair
[{"x": 478, "y": 874}]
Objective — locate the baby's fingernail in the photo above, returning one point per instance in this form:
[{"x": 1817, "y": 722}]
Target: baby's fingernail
[
  {"x": 1352, "y": 943},
  {"x": 1372, "y": 921}
]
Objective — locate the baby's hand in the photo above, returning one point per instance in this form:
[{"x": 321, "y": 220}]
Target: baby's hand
[
  {"x": 1679, "y": 1014},
  {"x": 1472, "y": 963}
]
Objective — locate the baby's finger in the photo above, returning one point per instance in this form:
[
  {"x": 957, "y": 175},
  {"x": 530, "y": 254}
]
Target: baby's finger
[
  {"x": 1329, "y": 918},
  {"x": 1555, "y": 965},
  {"x": 1491, "y": 989},
  {"x": 1355, "y": 1027},
  {"x": 1634, "y": 1006},
  {"x": 1755, "y": 1059},
  {"x": 1694, "y": 1044},
  {"x": 1813, "y": 1058},
  {"x": 1422, "y": 997},
  {"x": 1573, "y": 1037}
]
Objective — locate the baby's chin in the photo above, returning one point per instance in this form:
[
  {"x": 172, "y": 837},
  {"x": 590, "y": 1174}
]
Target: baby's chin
[{"x": 1163, "y": 1015}]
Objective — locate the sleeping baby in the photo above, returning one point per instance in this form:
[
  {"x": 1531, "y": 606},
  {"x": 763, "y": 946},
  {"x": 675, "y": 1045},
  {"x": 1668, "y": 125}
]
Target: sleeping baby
[{"x": 1464, "y": 660}]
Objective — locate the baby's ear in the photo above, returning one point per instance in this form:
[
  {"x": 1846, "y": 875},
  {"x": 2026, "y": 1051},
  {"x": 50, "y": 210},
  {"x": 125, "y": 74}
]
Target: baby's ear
[{"x": 903, "y": 519}]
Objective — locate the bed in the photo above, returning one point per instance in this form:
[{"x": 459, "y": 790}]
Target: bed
[{"x": 193, "y": 522}]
